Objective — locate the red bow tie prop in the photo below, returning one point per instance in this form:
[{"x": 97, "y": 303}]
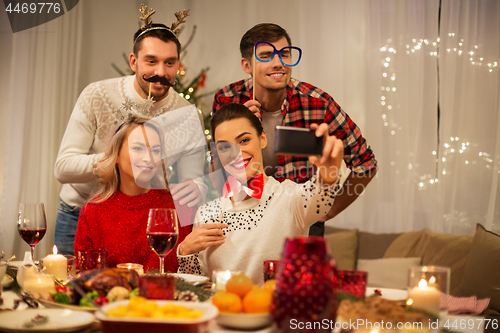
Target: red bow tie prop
[{"x": 254, "y": 187}]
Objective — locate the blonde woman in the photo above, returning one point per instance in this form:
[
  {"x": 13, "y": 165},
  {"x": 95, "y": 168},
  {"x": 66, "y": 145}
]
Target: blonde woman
[{"x": 116, "y": 216}]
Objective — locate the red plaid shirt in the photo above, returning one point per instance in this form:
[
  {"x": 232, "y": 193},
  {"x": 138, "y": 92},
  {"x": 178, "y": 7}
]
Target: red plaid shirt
[{"x": 305, "y": 105}]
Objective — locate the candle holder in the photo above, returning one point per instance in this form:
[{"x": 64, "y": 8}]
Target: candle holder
[
  {"x": 353, "y": 282},
  {"x": 71, "y": 265},
  {"x": 92, "y": 259},
  {"x": 270, "y": 269},
  {"x": 157, "y": 287},
  {"x": 220, "y": 278},
  {"x": 306, "y": 285},
  {"x": 426, "y": 286},
  {"x": 131, "y": 266}
]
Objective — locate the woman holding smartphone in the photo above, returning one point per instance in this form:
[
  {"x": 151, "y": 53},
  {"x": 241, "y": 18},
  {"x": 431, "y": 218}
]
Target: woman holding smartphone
[{"x": 257, "y": 213}]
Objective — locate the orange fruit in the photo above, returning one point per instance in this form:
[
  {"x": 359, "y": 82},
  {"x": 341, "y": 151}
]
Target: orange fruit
[
  {"x": 257, "y": 301},
  {"x": 269, "y": 286},
  {"x": 227, "y": 302},
  {"x": 239, "y": 284}
]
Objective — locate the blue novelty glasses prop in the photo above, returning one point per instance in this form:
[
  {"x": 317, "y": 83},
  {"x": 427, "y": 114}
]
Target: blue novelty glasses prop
[{"x": 289, "y": 55}]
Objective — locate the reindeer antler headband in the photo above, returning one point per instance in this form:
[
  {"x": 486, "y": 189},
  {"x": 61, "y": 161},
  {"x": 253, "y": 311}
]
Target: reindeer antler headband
[{"x": 146, "y": 14}]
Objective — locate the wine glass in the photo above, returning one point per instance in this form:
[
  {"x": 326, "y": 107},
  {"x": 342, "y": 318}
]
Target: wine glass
[
  {"x": 162, "y": 232},
  {"x": 32, "y": 224}
]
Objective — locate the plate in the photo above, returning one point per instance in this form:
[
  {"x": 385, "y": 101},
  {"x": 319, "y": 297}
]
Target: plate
[
  {"x": 115, "y": 324},
  {"x": 54, "y": 305},
  {"x": 244, "y": 321},
  {"x": 18, "y": 263},
  {"x": 59, "y": 320},
  {"x": 388, "y": 293},
  {"x": 194, "y": 279},
  {"x": 7, "y": 280}
]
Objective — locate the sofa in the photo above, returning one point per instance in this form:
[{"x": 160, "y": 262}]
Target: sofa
[{"x": 474, "y": 260}]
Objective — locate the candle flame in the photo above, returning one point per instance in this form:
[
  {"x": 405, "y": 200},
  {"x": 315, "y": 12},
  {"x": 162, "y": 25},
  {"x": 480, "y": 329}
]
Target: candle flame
[
  {"x": 432, "y": 279},
  {"x": 54, "y": 250},
  {"x": 422, "y": 284},
  {"x": 409, "y": 301},
  {"x": 271, "y": 265},
  {"x": 227, "y": 275}
]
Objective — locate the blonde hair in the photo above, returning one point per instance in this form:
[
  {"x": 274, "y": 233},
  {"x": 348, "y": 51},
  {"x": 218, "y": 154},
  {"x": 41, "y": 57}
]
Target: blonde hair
[{"x": 106, "y": 170}]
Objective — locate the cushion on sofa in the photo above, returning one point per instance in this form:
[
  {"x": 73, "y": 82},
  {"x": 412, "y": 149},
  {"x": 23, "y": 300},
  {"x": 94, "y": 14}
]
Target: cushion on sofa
[
  {"x": 481, "y": 277},
  {"x": 435, "y": 249},
  {"x": 343, "y": 247},
  {"x": 388, "y": 272},
  {"x": 373, "y": 246}
]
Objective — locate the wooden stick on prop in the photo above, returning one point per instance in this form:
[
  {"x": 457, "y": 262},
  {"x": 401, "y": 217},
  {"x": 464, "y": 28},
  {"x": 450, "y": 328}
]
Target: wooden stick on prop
[{"x": 253, "y": 74}]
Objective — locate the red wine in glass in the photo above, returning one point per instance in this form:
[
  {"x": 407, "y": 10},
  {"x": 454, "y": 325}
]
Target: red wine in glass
[
  {"x": 162, "y": 242},
  {"x": 32, "y": 235},
  {"x": 32, "y": 224},
  {"x": 162, "y": 232}
]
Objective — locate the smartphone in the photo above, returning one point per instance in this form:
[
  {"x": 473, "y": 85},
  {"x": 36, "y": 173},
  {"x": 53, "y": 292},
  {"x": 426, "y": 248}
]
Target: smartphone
[{"x": 297, "y": 141}]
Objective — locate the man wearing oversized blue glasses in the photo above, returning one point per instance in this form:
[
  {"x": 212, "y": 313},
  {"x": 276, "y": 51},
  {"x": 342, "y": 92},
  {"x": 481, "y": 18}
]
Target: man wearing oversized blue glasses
[{"x": 278, "y": 99}]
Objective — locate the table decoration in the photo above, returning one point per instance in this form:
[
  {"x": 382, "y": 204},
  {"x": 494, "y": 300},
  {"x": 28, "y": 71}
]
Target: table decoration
[
  {"x": 270, "y": 269},
  {"x": 220, "y": 278},
  {"x": 91, "y": 259},
  {"x": 136, "y": 267},
  {"x": 56, "y": 265},
  {"x": 426, "y": 284},
  {"x": 157, "y": 287},
  {"x": 353, "y": 282},
  {"x": 305, "y": 284}
]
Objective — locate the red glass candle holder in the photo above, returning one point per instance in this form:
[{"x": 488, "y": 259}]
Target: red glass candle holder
[
  {"x": 305, "y": 285},
  {"x": 157, "y": 287},
  {"x": 353, "y": 282},
  {"x": 270, "y": 269},
  {"x": 92, "y": 259}
]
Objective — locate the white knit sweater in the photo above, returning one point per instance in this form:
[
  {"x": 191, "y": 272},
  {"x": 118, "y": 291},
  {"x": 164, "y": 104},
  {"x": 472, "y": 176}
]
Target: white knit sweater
[
  {"x": 100, "y": 109},
  {"x": 258, "y": 227}
]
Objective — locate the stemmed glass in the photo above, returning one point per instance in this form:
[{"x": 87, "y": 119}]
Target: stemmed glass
[
  {"x": 162, "y": 232},
  {"x": 32, "y": 224}
]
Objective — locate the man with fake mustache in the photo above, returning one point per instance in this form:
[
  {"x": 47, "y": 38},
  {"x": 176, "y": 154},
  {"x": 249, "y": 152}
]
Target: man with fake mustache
[{"x": 103, "y": 106}]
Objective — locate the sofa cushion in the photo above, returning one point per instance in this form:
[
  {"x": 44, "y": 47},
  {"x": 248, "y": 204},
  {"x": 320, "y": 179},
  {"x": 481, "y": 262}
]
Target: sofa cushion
[
  {"x": 482, "y": 274},
  {"x": 388, "y": 272},
  {"x": 373, "y": 246},
  {"x": 435, "y": 249},
  {"x": 343, "y": 246}
]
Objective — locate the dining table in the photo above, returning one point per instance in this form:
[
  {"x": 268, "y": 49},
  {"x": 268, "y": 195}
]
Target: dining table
[{"x": 9, "y": 297}]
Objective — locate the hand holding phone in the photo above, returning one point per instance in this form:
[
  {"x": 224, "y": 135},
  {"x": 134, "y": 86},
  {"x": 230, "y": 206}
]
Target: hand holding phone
[{"x": 297, "y": 141}]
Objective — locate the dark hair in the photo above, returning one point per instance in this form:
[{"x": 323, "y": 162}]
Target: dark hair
[
  {"x": 267, "y": 32},
  {"x": 235, "y": 111},
  {"x": 161, "y": 34}
]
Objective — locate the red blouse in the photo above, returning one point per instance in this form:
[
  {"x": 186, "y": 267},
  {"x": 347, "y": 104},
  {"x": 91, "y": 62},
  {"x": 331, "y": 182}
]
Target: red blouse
[{"x": 119, "y": 225}]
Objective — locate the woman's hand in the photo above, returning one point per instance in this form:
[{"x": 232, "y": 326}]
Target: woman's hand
[
  {"x": 202, "y": 237},
  {"x": 333, "y": 152},
  {"x": 254, "y": 106}
]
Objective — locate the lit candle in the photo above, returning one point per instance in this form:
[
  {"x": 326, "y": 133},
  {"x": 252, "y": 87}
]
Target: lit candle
[
  {"x": 221, "y": 278},
  {"x": 424, "y": 297},
  {"x": 56, "y": 265},
  {"x": 40, "y": 285},
  {"x": 136, "y": 267}
]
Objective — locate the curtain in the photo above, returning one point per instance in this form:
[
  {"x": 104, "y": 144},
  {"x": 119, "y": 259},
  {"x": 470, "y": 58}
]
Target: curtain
[
  {"x": 469, "y": 127},
  {"x": 38, "y": 84}
]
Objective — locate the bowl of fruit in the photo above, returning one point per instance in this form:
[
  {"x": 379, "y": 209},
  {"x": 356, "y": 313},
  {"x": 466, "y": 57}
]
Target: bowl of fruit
[
  {"x": 139, "y": 314},
  {"x": 244, "y": 305}
]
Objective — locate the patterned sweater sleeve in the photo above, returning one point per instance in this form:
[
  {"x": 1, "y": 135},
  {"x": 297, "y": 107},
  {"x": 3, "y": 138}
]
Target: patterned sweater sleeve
[
  {"x": 312, "y": 200},
  {"x": 74, "y": 163}
]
